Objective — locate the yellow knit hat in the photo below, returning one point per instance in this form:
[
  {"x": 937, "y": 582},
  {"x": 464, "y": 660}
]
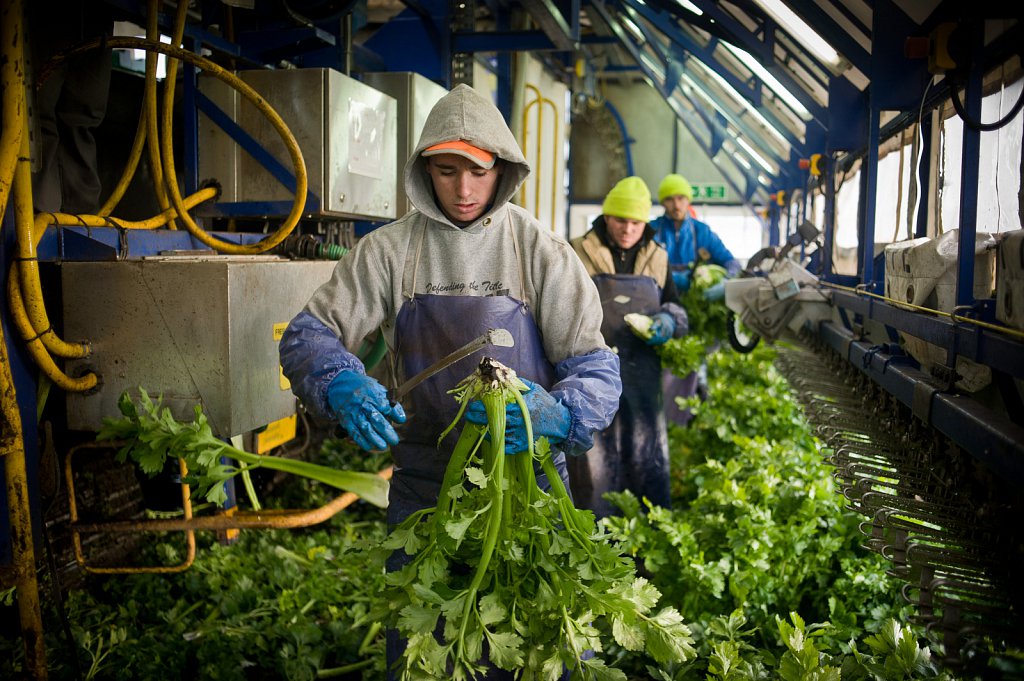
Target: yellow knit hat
[
  {"x": 629, "y": 199},
  {"x": 674, "y": 185}
]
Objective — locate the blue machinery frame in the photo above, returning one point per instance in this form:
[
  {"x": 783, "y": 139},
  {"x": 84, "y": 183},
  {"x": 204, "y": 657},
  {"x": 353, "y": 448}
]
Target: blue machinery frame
[{"x": 846, "y": 129}]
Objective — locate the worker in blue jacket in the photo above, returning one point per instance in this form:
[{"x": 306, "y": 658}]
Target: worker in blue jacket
[
  {"x": 689, "y": 242},
  {"x": 632, "y": 275}
]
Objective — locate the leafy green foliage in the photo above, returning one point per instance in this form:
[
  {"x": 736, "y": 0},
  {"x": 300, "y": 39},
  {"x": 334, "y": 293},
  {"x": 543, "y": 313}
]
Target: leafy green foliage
[
  {"x": 707, "y": 320},
  {"x": 757, "y": 530},
  {"x": 273, "y": 605},
  {"x": 503, "y": 572},
  {"x": 153, "y": 435}
]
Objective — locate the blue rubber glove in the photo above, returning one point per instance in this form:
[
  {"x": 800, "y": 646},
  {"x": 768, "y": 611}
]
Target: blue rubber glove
[
  {"x": 661, "y": 329},
  {"x": 362, "y": 408},
  {"x": 549, "y": 417},
  {"x": 715, "y": 293},
  {"x": 681, "y": 278}
]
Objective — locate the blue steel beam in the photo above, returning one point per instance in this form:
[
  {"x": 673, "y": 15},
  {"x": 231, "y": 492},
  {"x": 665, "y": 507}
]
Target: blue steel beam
[
  {"x": 829, "y": 177},
  {"x": 752, "y": 93},
  {"x": 868, "y": 198},
  {"x": 990, "y": 437},
  {"x": 668, "y": 23},
  {"x": 970, "y": 159},
  {"x": 558, "y": 19},
  {"x": 429, "y": 32},
  {"x": 991, "y": 348},
  {"x": 689, "y": 119}
]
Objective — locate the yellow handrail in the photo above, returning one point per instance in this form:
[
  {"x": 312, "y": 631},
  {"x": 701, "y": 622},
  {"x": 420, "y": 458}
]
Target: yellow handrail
[{"x": 541, "y": 101}]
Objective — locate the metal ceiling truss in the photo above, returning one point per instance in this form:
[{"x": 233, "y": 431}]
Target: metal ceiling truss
[
  {"x": 761, "y": 41},
  {"x": 682, "y": 44},
  {"x": 697, "y": 121},
  {"x": 674, "y": 57},
  {"x": 672, "y": 22}
]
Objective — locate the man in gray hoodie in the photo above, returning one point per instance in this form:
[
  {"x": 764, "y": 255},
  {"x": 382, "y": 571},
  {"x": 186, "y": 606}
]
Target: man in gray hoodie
[{"x": 463, "y": 261}]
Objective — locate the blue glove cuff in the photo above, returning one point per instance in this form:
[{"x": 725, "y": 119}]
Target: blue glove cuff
[{"x": 663, "y": 329}]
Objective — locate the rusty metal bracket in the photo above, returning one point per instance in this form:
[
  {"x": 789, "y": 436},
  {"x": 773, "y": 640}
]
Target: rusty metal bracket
[{"x": 76, "y": 536}]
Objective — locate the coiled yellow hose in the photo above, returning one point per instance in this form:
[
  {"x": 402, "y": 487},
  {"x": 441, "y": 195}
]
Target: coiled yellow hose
[{"x": 167, "y": 150}]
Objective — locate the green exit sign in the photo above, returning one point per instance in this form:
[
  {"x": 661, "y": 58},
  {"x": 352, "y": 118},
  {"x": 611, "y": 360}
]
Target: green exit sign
[{"x": 708, "y": 191}]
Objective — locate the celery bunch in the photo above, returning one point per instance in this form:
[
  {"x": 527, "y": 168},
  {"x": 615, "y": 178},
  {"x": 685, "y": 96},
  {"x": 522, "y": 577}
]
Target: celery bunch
[
  {"x": 153, "y": 434},
  {"x": 500, "y": 562}
]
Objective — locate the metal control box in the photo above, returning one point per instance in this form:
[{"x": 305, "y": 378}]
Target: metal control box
[
  {"x": 196, "y": 331},
  {"x": 345, "y": 129},
  {"x": 415, "y": 96}
]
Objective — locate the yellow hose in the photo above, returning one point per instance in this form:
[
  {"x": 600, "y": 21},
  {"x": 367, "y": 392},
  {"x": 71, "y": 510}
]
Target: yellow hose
[
  {"x": 129, "y": 170},
  {"x": 44, "y": 220},
  {"x": 35, "y": 346},
  {"x": 170, "y": 177},
  {"x": 26, "y": 260},
  {"x": 246, "y": 91},
  {"x": 30, "y": 333}
]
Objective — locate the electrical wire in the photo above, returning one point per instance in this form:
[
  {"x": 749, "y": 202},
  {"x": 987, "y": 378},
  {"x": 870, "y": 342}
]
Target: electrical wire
[
  {"x": 958, "y": 105},
  {"x": 915, "y": 161},
  {"x": 899, "y": 187}
]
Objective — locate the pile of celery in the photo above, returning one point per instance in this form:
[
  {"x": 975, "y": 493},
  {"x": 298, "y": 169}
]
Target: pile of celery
[{"x": 502, "y": 572}]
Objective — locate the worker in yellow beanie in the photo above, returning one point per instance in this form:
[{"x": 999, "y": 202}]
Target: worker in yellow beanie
[
  {"x": 689, "y": 242},
  {"x": 632, "y": 275}
]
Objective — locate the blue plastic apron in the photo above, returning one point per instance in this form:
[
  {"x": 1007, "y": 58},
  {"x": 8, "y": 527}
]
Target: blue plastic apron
[
  {"x": 631, "y": 453},
  {"x": 428, "y": 327}
]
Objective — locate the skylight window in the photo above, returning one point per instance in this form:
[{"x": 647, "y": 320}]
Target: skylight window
[
  {"x": 768, "y": 79},
  {"x": 754, "y": 155},
  {"x": 634, "y": 29},
  {"x": 797, "y": 28},
  {"x": 736, "y": 96},
  {"x": 687, "y": 5}
]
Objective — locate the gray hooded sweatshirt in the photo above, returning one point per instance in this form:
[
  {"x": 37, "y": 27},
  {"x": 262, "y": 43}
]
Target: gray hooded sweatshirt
[{"x": 370, "y": 284}]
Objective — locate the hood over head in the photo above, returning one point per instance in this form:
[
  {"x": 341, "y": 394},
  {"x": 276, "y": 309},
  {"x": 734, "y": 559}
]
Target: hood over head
[{"x": 466, "y": 115}]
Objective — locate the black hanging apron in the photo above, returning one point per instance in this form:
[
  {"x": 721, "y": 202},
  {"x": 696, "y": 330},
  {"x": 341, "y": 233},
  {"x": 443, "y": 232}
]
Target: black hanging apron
[{"x": 631, "y": 453}]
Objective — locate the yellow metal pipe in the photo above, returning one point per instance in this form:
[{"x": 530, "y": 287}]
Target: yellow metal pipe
[
  {"x": 186, "y": 506},
  {"x": 12, "y": 441},
  {"x": 168, "y": 175},
  {"x": 12, "y": 77},
  {"x": 266, "y": 519},
  {"x": 23, "y": 561},
  {"x": 541, "y": 101},
  {"x": 27, "y": 262},
  {"x": 44, "y": 220}
]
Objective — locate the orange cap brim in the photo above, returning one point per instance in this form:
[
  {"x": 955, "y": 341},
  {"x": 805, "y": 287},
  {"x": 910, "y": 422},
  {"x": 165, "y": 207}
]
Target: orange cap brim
[{"x": 482, "y": 157}]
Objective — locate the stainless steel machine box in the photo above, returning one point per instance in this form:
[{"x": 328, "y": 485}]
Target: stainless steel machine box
[
  {"x": 197, "y": 331},
  {"x": 345, "y": 129},
  {"x": 415, "y": 96}
]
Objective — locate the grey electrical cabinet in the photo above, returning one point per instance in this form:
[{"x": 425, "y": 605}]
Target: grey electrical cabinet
[
  {"x": 415, "y": 96},
  {"x": 345, "y": 129},
  {"x": 196, "y": 331}
]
